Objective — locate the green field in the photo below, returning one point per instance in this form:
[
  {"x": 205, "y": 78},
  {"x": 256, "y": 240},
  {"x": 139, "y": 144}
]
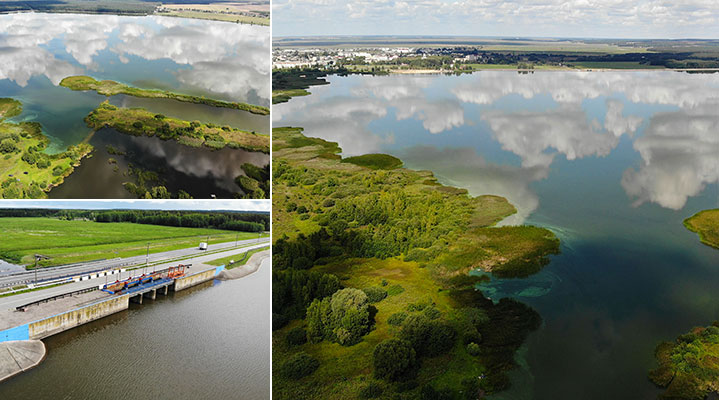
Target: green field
[
  {"x": 141, "y": 122},
  {"x": 616, "y": 65},
  {"x": 240, "y": 19},
  {"x": 74, "y": 241},
  {"x": 226, "y": 260},
  {"x": 111, "y": 88}
]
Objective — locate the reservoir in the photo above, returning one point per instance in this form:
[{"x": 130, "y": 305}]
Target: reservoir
[
  {"x": 210, "y": 341},
  {"x": 218, "y": 60},
  {"x": 612, "y": 162}
]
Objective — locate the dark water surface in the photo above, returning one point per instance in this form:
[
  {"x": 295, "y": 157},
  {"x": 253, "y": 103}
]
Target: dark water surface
[
  {"x": 208, "y": 342},
  {"x": 612, "y": 162},
  {"x": 200, "y": 171}
]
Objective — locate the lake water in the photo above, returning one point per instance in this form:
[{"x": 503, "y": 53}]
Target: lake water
[
  {"x": 210, "y": 341},
  {"x": 612, "y": 162},
  {"x": 209, "y": 58}
]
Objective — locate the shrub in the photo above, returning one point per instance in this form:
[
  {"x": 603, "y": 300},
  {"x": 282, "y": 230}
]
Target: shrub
[
  {"x": 298, "y": 366},
  {"x": 375, "y": 294},
  {"x": 395, "y": 290},
  {"x": 473, "y": 349},
  {"x": 137, "y": 125},
  {"x": 396, "y": 319},
  {"x": 29, "y": 158},
  {"x": 371, "y": 391},
  {"x": 296, "y": 337},
  {"x": 431, "y": 313},
  {"x": 301, "y": 263},
  {"x": 344, "y": 318},
  {"x": 427, "y": 337},
  {"x": 393, "y": 358},
  {"x": 8, "y": 146}
]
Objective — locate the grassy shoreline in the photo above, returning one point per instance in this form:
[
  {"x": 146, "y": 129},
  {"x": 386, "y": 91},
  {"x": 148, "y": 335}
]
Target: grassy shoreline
[{"x": 112, "y": 88}]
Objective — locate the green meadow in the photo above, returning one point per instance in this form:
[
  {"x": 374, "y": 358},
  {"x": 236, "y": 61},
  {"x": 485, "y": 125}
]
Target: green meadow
[{"x": 78, "y": 240}]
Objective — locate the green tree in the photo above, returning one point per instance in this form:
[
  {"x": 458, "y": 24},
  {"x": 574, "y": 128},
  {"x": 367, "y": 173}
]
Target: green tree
[{"x": 393, "y": 358}]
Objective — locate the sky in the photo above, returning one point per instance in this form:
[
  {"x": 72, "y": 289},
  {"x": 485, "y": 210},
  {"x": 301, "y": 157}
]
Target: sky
[
  {"x": 202, "y": 205},
  {"x": 656, "y": 19}
]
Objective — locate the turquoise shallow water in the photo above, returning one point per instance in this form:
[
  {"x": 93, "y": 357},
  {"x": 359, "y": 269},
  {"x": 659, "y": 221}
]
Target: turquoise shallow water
[
  {"x": 208, "y": 58},
  {"x": 612, "y": 162}
]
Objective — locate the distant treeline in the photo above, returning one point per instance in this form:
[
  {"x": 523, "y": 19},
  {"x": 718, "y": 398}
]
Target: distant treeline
[{"x": 244, "y": 221}]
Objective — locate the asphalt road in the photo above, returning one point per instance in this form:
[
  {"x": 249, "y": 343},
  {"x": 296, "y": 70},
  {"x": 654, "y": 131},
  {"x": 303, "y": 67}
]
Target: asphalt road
[
  {"x": 10, "y": 302},
  {"x": 49, "y": 273}
]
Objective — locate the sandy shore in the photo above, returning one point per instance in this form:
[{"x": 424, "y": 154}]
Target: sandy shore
[{"x": 252, "y": 265}]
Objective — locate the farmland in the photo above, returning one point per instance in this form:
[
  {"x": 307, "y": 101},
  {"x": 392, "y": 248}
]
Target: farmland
[{"x": 78, "y": 240}]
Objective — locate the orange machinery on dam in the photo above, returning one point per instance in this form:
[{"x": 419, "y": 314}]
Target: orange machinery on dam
[{"x": 124, "y": 285}]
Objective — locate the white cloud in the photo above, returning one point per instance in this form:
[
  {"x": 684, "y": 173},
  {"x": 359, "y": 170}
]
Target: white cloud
[
  {"x": 680, "y": 156},
  {"x": 531, "y": 134},
  {"x": 570, "y": 18},
  {"x": 229, "y": 60}
]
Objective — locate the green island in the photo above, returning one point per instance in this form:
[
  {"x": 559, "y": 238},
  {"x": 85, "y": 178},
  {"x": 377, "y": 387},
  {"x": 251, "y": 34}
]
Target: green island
[
  {"x": 112, "y": 88},
  {"x": 26, "y": 170},
  {"x": 141, "y": 122},
  {"x": 689, "y": 366},
  {"x": 706, "y": 225},
  {"x": 372, "y": 296},
  {"x": 289, "y": 83}
]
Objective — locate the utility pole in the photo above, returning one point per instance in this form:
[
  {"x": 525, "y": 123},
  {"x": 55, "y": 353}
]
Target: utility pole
[
  {"x": 147, "y": 258},
  {"x": 236, "y": 236}
]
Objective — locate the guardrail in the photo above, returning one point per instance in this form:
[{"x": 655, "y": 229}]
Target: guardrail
[{"x": 52, "y": 298}]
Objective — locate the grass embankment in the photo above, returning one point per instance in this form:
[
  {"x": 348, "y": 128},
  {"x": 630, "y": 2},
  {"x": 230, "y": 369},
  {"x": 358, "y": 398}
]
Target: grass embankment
[
  {"x": 112, "y": 88},
  {"x": 689, "y": 367},
  {"x": 26, "y": 171},
  {"x": 140, "y": 122},
  {"x": 399, "y": 233},
  {"x": 706, "y": 225},
  {"x": 215, "y": 16},
  {"x": 237, "y": 257},
  {"x": 74, "y": 241}
]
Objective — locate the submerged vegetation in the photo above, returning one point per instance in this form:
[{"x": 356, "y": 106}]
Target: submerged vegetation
[
  {"x": 689, "y": 367},
  {"x": 26, "y": 169},
  {"x": 112, "y": 88},
  {"x": 371, "y": 292},
  {"x": 140, "y": 122}
]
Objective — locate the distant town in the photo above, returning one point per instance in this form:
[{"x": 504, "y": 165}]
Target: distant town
[{"x": 527, "y": 54}]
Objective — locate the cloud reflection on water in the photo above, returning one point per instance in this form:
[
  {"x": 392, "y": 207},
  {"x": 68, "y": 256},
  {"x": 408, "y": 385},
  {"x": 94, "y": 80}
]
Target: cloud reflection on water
[
  {"x": 225, "y": 59},
  {"x": 679, "y": 150}
]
